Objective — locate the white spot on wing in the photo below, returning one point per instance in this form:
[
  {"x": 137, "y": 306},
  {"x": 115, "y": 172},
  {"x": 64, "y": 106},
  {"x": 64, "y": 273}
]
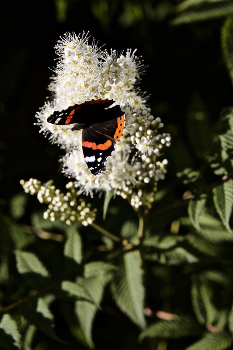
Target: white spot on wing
[
  {"x": 99, "y": 159},
  {"x": 90, "y": 159}
]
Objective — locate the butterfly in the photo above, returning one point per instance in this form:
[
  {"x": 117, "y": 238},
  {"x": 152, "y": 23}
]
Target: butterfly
[{"x": 101, "y": 128}]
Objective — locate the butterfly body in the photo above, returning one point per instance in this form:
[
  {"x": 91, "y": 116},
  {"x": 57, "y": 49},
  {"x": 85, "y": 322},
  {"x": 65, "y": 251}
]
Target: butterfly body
[{"x": 101, "y": 129}]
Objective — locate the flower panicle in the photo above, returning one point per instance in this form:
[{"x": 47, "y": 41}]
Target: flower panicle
[
  {"x": 85, "y": 72},
  {"x": 67, "y": 207}
]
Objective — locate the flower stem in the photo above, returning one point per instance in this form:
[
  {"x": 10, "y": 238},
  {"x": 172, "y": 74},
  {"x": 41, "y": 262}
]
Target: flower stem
[
  {"x": 105, "y": 232},
  {"x": 140, "y": 227}
]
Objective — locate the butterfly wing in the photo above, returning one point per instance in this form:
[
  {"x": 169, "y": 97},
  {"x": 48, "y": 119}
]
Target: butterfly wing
[
  {"x": 113, "y": 128},
  {"x": 97, "y": 147},
  {"x": 86, "y": 113},
  {"x": 102, "y": 128}
]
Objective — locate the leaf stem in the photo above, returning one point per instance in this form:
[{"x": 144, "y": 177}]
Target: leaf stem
[
  {"x": 106, "y": 233},
  {"x": 141, "y": 227}
]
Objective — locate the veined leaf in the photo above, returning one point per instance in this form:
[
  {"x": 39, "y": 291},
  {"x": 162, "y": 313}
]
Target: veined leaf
[
  {"x": 181, "y": 326},
  {"x": 17, "y": 205},
  {"x": 107, "y": 198},
  {"x": 163, "y": 241},
  {"x": 29, "y": 336},
  {"x": 226, "y": 141},
  {"x": 42, "y": 307},
  {"x": 219, "y": 277},
  {"x": 212, "y": 229},
  {"x": 128, "y": 290},
  {"x": 202, "y": 296},
  {"x": 203, "y": 246},
  {"x": 95, "y": 268},
  {"x": 77, "y": 290},
  {"x": 73, "y": 245},
  {"x": 227, "y": 44},
  {"x": 230, "y": 320},
  {"x": 190, "y": 11},
  {"x": 223, "y": 200},
  {"x": 129, "y": 230},
  {"x": 86, "y": 311},
  {"x": 213, "y": 341},
  {"x": 37, "y": 312},
  {"x": 194, "y": 209},
  {"x": 28, "y": 262},
  {"x": 9, "y": 326}
]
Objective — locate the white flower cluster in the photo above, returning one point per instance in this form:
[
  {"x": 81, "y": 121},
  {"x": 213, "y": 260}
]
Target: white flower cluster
[
  {"x": 85, "y": 72},
  {"x": 66, "y": 207}
]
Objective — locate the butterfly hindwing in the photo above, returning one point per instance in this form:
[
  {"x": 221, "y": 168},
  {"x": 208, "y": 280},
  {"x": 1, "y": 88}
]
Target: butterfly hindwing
[{"x": 97, "y": 148}]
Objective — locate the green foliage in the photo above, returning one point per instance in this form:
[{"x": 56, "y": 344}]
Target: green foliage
[
  {"x": 97, "y": 278},
  {"x": 227, "y": 44},
  {"x": 17, "y": 205},
  {"x": 195, "y": 208},
  {"x": 37, "y": 313},
  {"x": 127, "y": 288},
  {"x": 178, "y": 327},
  {"x": 189, "y": 11},
  {"x": 213, "y": 341},
  {"x": 202, "y": 296},
  {"x": 9, "y": 330},
  {"x": 107, "y": 198},
  {"x": 28, "y": 262},
  {"x": 223, "y": 200},
  {"x": 73, "y": 245}
]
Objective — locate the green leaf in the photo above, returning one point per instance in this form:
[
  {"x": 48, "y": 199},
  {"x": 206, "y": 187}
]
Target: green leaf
[
  {"x": 86, "y": 311},
  {"x": 213, "y": 341},
  {"x": 219, "y": 277},
  {"x": 212, "y": 229},
  {"x": 28, "y": 262},
  {"x": 128, "y": 290},
  {"x": 223, "y": 200},
  {"x": 107, "y": 198},
  {"x": 61, "y": 9},
  {"x": 230, "y": 320},
  {"x": 73, "y": 245},
  {"x": 12, "y": 235},
  {"x": 202, "y": 295},
  {"x": 194, "y": 209},
  {"x": 190, "y": 11},
  {"x": 176, "y": 256},
  {"x": 37, "y": 312},
  {"x": 95, "y": 268},
  {"x": 17, "y": 205},
  {"x": 77, "y": 290},
  {"x": 129, "y": 230},
  {"x": 169, "y": 249},
  {"x": 178, "y": 327},
  {"x": 9, "y": 326},
  {"x": 227, "y": 44},
  {"x": 203, "y": 246},
  {"x": 29, "y": 336}
]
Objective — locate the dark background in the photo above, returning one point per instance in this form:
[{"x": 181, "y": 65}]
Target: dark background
[{"x": 185, "y": 72}]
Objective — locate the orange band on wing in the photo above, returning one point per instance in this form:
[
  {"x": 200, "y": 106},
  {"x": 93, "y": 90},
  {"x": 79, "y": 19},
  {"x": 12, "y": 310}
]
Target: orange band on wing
[
  {"x": 120, "y": 128},
  {"x": 70, "y": 116},
  {"x": 94, "y": 146}
]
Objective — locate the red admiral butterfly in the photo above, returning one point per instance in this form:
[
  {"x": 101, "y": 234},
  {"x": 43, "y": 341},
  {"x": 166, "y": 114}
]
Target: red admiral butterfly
[{"x": 102, "y": 128}]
